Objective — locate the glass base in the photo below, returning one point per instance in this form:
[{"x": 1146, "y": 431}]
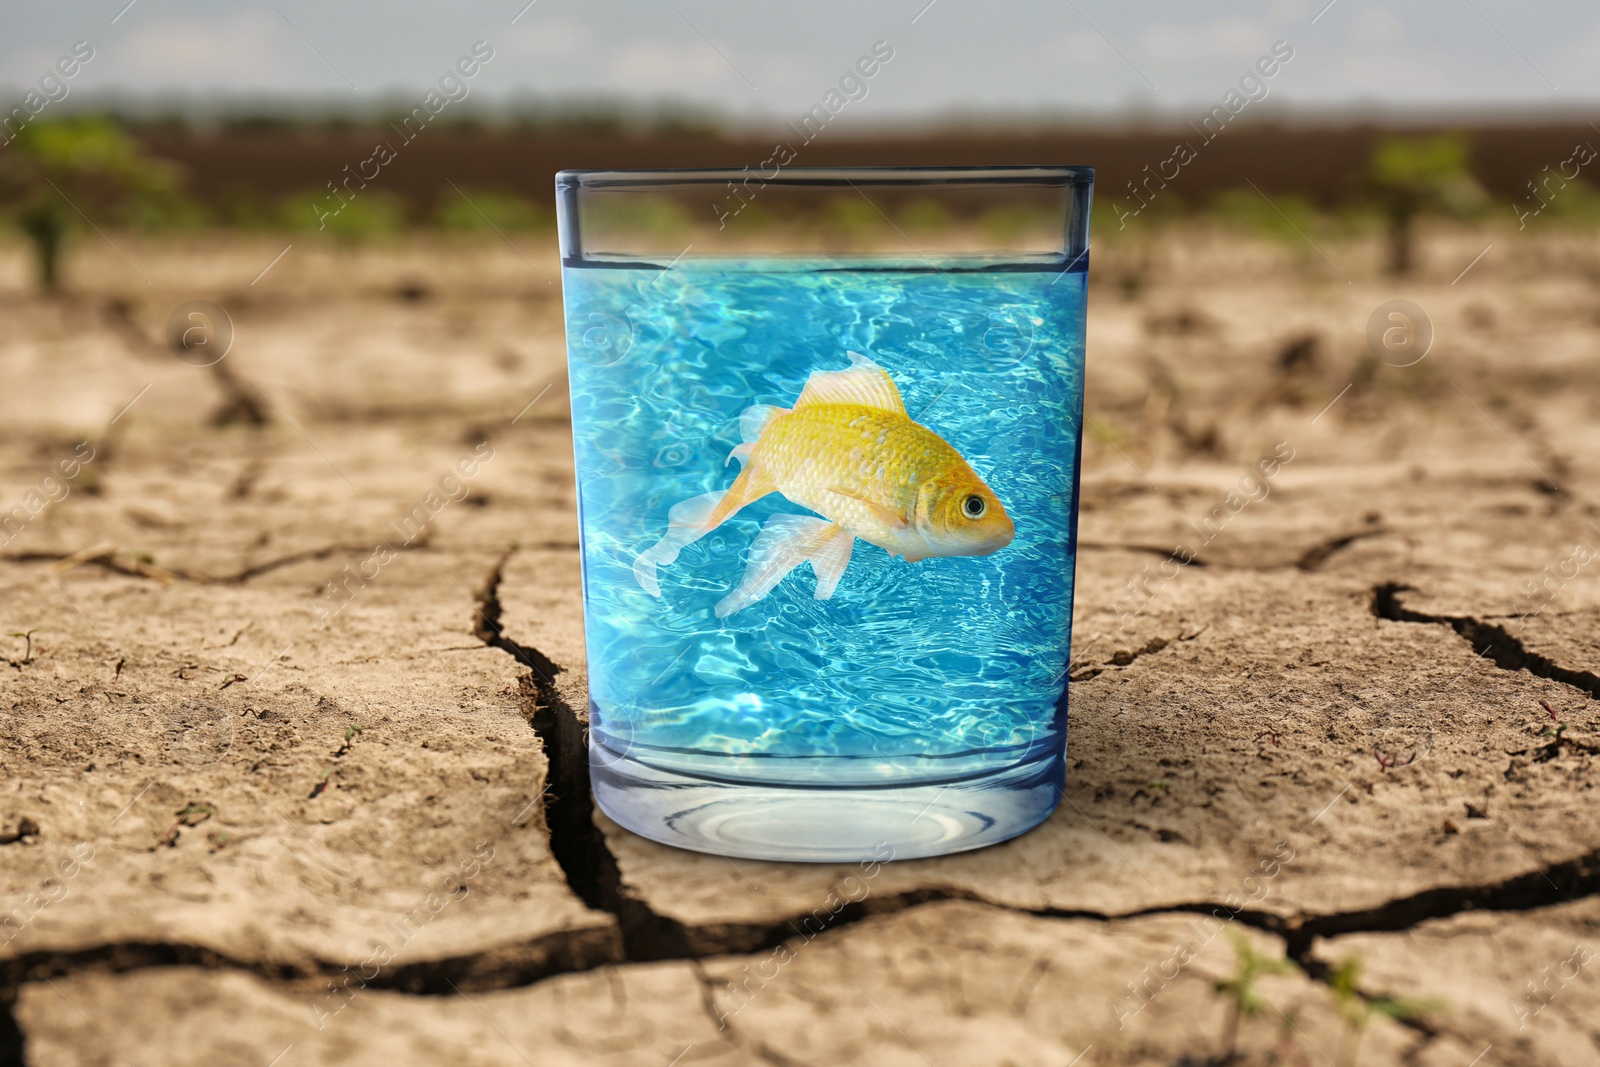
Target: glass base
[{"x": 764, "y": 821}]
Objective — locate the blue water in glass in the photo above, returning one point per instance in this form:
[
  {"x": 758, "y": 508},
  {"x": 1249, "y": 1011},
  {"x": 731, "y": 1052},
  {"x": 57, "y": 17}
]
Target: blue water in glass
[{"x": 944, "y": 670}]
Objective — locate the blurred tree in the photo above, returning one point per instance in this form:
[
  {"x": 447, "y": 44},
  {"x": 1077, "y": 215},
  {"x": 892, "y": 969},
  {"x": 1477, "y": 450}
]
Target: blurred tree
[
  {"x": 54, "y": 170},
  {"x": 1413, "y": 175}
]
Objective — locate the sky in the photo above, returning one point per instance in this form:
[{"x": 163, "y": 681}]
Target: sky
[{"x": 759, "y": 61}]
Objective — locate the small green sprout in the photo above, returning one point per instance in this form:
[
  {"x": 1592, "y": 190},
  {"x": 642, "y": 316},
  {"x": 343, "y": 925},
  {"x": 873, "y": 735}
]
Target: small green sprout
[
  {"x": 1358, "y": 1010},
  {"x": 1244, "y": 999},
  {"x": 26, "y": 635},
  {"x": 194, "y": 814}
]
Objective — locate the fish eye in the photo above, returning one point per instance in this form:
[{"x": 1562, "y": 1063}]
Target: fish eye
[{"x": 974, "y": 507}]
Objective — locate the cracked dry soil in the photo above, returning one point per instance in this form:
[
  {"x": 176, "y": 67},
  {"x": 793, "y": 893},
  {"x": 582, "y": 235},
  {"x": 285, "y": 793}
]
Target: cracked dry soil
[{"x": 243, "y": 823}]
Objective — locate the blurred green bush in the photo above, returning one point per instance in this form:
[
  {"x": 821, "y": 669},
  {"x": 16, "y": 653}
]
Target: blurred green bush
[
  {"x": 1411, "y": 176},
  {"x": 57, "y": 175},
  {"x": 484, "y": 210},
  {"x": 370, "y": 213}
]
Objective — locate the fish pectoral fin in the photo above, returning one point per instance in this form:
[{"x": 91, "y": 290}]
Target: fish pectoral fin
[
  {"x": 687, "y": 522},
  {"x": 785, "y": 542},
  {"x": 863, "y": 383},
  {"x": 898, "y": 520}
]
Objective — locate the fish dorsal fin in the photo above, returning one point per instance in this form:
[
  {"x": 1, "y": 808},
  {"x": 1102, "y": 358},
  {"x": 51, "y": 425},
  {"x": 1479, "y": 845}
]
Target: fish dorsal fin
[{"x": 864, "y": 383}]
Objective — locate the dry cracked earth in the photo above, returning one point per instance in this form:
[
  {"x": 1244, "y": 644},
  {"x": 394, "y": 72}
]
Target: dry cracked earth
[{"x": 1332, "y": 784}]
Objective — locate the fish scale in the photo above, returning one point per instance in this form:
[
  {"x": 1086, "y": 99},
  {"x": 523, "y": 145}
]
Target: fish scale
[{"x": 876, "y": 453}]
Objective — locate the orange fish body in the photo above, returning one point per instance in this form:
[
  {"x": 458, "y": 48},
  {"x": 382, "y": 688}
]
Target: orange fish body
[{"x": 848, "y": 451}]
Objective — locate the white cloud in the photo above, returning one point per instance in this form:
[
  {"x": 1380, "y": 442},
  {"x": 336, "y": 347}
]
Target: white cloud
[
  {"x": 1022, "y": 54},
  {"x": 1186, "y": 47},
  {"x": 1377, "y": 27},
  {"x": 1576, "y": 64},
  {"x": 248, "y": 50},
  {"x": 690, "y": 67},
  {"x": 25, "y": 67},
  {"x": 1075, "y": 49},
  {"x": 561, "y": 39},
  {"x": 1392, "y": 76}
]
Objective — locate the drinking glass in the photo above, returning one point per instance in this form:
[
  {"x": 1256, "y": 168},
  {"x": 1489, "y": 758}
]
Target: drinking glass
[{"x": 827, "y": 426}]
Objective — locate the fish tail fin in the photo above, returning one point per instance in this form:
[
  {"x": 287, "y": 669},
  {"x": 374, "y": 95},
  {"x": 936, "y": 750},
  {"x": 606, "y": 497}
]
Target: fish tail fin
[
  {"x": 752, "y": 424},
  {"x": 785, "y": 542},
  {"x": 686, "y": 524},
  {"x": 754, "y": 420},
  {"x": 751, "y": 485},
  {"x": 692, "y": 519}
]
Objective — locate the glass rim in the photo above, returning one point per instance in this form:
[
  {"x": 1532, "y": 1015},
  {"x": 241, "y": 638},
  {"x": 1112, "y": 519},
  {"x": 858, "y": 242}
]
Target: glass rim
[{"x": 822, "y": 177}]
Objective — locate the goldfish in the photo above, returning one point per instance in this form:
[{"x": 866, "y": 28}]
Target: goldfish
[{"x": 847, "y": 451}]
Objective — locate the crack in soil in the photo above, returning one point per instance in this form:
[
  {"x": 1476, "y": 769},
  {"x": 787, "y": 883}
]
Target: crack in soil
[
  {"x": 1314, "y": 557},
  {"x": 1149, "y": 550},
  {"x": 1311, "y": 559},
  {"x": 1557, "y": 883},
  {"x": 1123, "y": 657},
  {"x": 1487, "y": 639},
  {"x": 522, "y": 963},
  {"x": 576, "y": 842},
  {"x": 749, "y": 1045},
  {"x": 132, "y": 565},
  {"x": 591, "y": 870}
]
